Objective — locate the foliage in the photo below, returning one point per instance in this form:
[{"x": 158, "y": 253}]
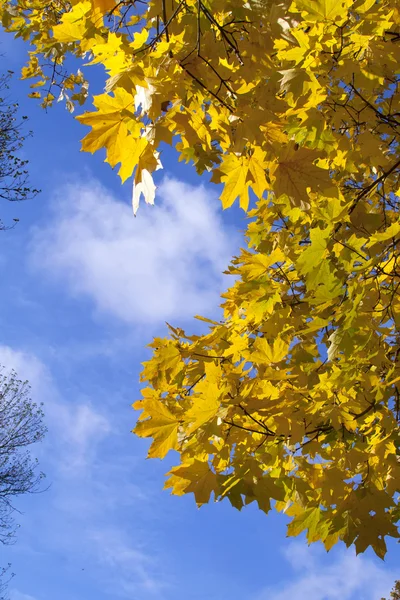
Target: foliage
[
  {"x": 395, "y": 593},
  {"x": 292, "y": 399},
  {"x": 13, "y": 174},
  {"x": 21, "y": 424}
]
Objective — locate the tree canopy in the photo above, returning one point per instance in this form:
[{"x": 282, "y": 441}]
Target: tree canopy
[
  {"x": 14, "y": 184},
  {"x": 292, "y": 399},
  {"x": 21, "y": 425}
]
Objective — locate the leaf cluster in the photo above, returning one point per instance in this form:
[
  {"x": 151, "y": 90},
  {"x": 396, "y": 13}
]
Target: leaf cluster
[{"x": 292, "y": 400}]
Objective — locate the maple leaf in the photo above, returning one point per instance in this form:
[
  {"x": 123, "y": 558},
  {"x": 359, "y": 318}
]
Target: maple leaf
[
  {"x": 257, "y": 169},
  {"x": 315, "y": 254},
  {"x": 293, "y": 80},
  {"x": 206, "y": 403},
  {"x": 241, "y": 172},
  {"x": 114, "y": 128},
  {"x": 309, "y": 519},
  {"x": 162, "y": 426},
  {"x": 197, "y": 478},
  {"x": 146, "y": 187},
  {"x": 73, "y": 24},
  {"x": 109, "y": 128},
  {"x": 235, "y": 170},
  {"x": 320, "y": 10},
  {"x": 269, "y": 353},
  {"x": 166, "y": 364},
  {"x": 147, "y": 161},
  {"x": 296, "y": 173}
]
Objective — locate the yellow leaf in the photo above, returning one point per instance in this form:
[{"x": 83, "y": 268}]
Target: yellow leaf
[
  {"x": 104, "y": 6},
  {"x": 256, "y": 265},
  {"x": 165, "y": 365},
  {"x": 240, "y": 172},
  {"x": 235, "y": 170},
  {"x": 206, "y": 402},
  {"x": 130, "y": 153},
  {"x": 297, "y": 172},
  {"x": 391, "y": 232},
  {"x": 269, "y": 353},
  {"x": 321, "y": 10},
  {"x": 112, "y": 125},
  {"x": 313, "y": 256},
  {"x": 73, "y": 24},
  {"x": 198, "y": 477},
  {"x": 162, "y": 426},
  {"x": 257, "y": 168},
  {"x": 308, "y": 519}
]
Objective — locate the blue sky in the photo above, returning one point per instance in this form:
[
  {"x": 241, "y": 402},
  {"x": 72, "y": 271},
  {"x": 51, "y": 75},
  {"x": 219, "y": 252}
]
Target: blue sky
[{"x": 85, "y": 287}]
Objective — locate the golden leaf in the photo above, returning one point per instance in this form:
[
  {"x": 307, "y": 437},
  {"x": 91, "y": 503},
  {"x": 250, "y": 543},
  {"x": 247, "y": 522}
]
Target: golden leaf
[{"x": 162, "y": 426}]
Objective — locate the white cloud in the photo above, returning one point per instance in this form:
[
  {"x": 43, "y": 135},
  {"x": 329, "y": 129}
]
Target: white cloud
[
  {"x": 131, "y": 566},
  {"x": 81, "y": 428},
  {"x": 344, "y": 576},
  {"x": 165, "y": 264},
  {"x": 27, "y": 367},
  {"x": 90, "y": 490},
  {"x": 75, "y": 429}
]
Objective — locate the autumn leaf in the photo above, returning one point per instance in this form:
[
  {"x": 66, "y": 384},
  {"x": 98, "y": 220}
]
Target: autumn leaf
[
  {"x": 315, "y": 254},
  {"x": 269, "y": 353},
  {"x": 206, "y": 402},
  {"x": 110, "y": 129},
  {"x": 235, "y": 178},
  {"x": 161, "y": 425},
  {"x": 320, "y": 10},
  {"x": 198, "y": 478},
  {"x": 309, "y": 520},
  {"x": 73, "y": 24},
  {"x": 104, "y": 6},
  {"x": 296, "y": 173}
]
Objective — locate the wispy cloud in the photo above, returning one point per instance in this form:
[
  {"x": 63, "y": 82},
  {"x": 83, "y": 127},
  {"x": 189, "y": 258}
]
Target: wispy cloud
[
  {"x": 165, "y": 264},
  {"x": 75, "y": 429},
  {"x": 81, "y": 428},
  {"x": 27, "y": 367},
  {"x": 90, "y": 490},
  {"x": 132, "y": 567},
  {"x": 344, "y": 576}
]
